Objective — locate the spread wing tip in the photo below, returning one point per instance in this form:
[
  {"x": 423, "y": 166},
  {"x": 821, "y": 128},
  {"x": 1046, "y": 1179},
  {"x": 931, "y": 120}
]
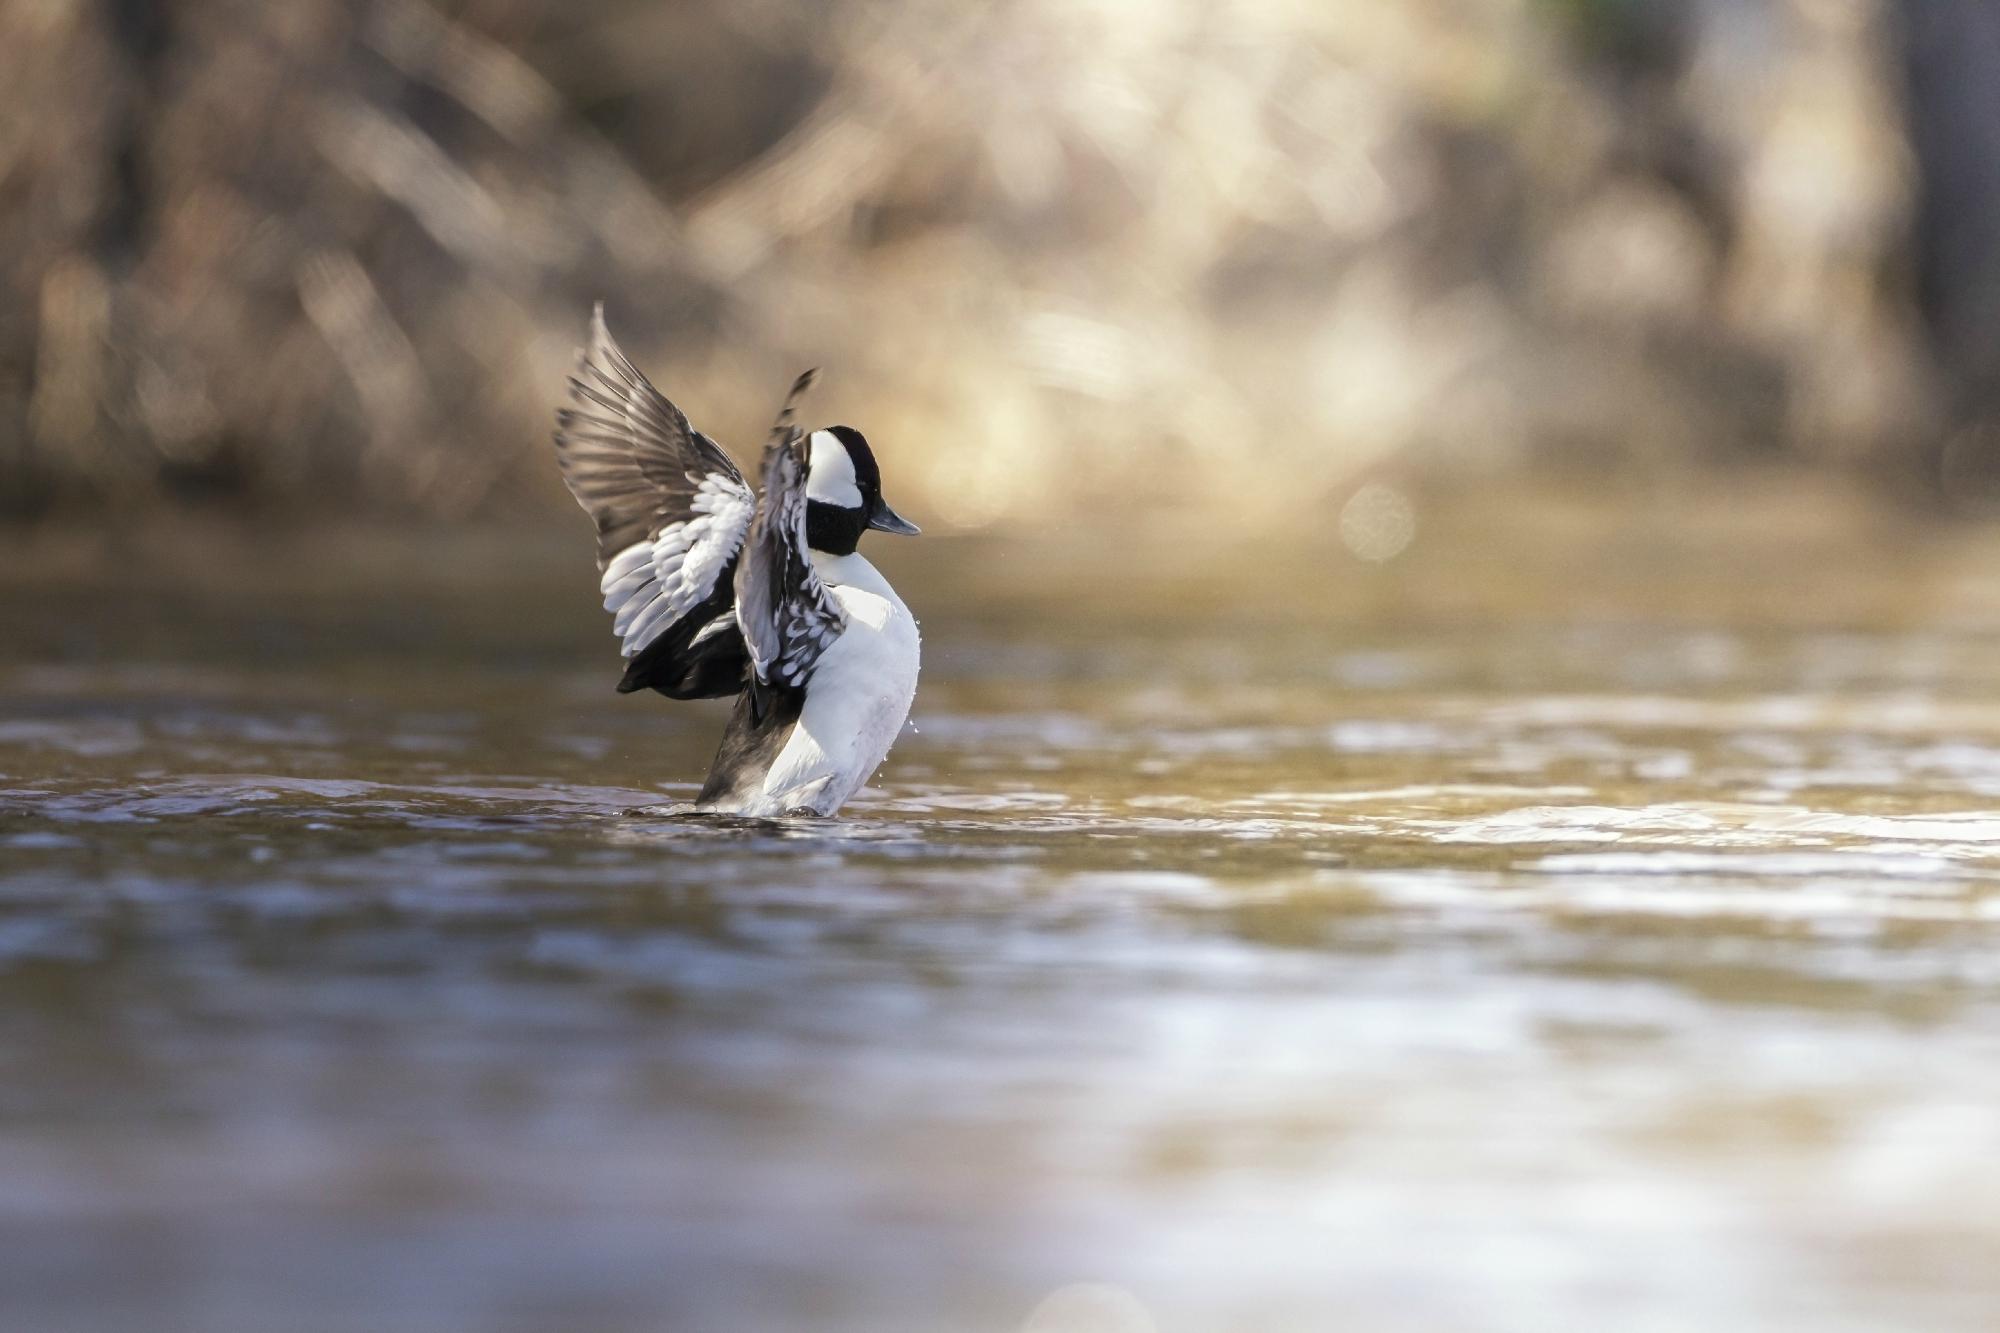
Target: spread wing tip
[
  {"x": 635, "y": 464},
  {"x": 783, "y": 429}
]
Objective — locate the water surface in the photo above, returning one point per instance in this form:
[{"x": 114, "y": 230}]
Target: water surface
[{"x": 1577, "y": 923}]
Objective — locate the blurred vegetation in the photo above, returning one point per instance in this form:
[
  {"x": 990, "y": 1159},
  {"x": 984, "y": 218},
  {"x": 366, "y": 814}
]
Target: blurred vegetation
[{"x": 1050, "y": 252}]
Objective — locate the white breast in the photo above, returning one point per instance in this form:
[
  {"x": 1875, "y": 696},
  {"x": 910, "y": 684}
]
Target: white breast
[{"x": 857, "y": 699}]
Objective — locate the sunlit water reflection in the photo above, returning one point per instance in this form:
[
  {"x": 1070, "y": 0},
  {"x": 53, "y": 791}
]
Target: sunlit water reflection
[{"x": 357, "y": 972}]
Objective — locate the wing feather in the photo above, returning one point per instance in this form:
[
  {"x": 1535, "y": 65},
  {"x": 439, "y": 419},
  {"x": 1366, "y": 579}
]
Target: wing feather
[
  {"x": 787, "y": 618},
  {"x": 670, "y": 507}
]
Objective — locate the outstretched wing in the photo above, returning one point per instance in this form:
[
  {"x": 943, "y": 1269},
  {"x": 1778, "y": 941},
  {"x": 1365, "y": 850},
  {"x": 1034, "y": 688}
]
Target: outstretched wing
[
  {"x": 787, "y": 618},
  {"x": 670, "y": 507}
]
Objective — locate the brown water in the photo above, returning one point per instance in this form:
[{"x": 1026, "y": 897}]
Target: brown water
[{"x": 1580, "y": 922}]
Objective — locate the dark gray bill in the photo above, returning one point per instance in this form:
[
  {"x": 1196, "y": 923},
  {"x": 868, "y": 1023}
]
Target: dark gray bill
[{"x": 885, "y": 519}]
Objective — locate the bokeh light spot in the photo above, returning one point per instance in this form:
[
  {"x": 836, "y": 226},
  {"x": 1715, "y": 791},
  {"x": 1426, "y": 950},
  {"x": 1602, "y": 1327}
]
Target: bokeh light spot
[
  {"x": 1090, "y": 1307},
  {"x": 1377, "y": 523}
]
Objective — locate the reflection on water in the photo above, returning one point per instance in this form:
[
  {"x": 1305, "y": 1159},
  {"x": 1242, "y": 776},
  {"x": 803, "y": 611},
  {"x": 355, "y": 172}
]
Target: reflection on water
[{"x": 1575, "y": 964}]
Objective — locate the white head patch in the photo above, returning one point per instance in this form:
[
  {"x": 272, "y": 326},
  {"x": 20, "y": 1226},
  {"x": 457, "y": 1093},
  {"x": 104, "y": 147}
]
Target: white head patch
[{"x": 830, "y": 472}]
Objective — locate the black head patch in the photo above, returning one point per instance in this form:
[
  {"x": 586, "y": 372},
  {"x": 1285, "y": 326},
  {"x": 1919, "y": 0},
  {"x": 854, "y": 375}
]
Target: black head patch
[{"x": 867, "y": 475}]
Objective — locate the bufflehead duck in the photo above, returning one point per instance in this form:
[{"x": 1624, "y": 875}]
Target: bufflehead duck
[{"x": 717, "y": 593}]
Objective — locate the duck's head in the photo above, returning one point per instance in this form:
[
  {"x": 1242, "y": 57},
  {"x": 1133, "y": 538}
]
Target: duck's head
[{"x": 844, "y": 492}]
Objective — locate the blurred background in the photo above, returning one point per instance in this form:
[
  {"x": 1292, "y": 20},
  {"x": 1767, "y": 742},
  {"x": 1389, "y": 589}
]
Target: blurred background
[
  {"x": 1453, "y": 783},
  {"x": 337, "y": 256}
]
